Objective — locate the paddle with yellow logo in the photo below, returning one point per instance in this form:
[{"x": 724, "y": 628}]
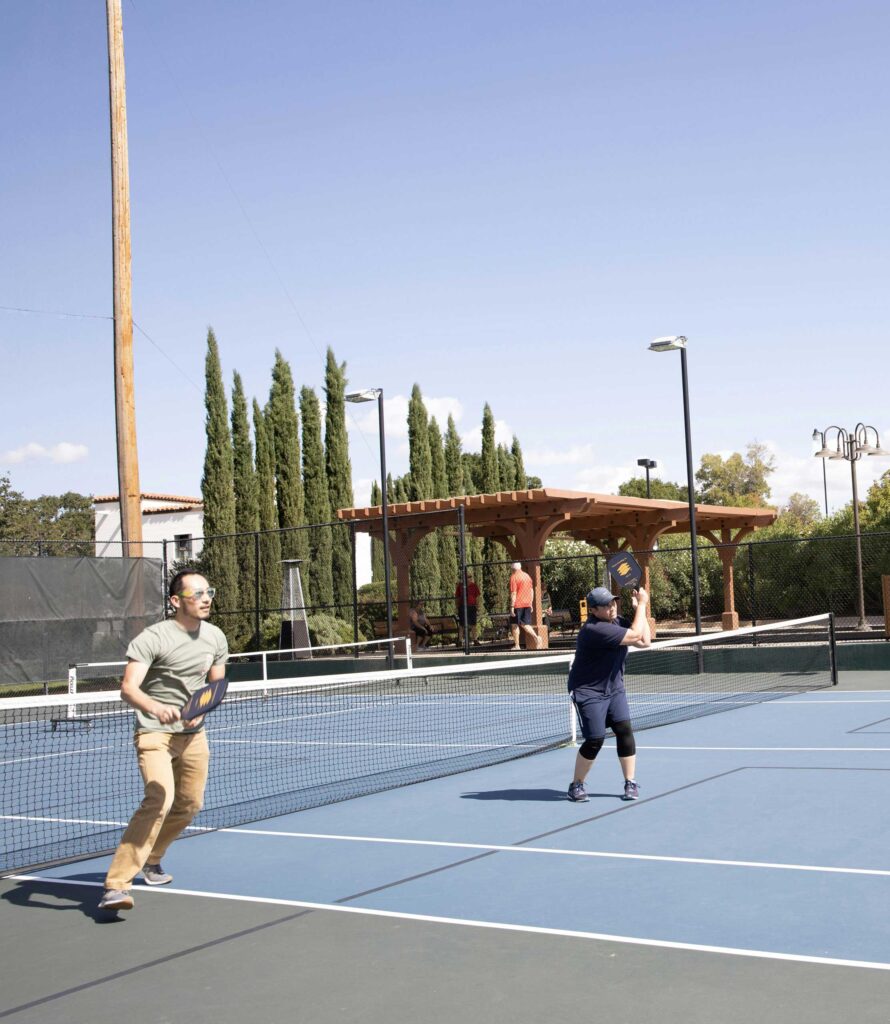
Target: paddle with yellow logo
[{"x": 204, "y": 700}]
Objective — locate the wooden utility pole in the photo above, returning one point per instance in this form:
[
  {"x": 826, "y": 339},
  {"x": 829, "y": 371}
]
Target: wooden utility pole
[{"x": 124, "y": 402}]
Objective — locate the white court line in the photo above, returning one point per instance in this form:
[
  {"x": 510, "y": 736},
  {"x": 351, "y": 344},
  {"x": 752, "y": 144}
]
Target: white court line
[
  {"x": 629, "y": 940},
  {"x": 603, "y": 854},
  {"x": 818, "y": 750}
]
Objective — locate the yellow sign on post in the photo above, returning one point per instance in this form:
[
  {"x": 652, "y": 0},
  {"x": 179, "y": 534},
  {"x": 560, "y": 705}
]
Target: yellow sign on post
[{"x": 582, "y": 610}]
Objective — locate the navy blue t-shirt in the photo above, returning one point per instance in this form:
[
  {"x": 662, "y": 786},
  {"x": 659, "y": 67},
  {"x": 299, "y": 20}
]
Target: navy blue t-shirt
[{"x": 599, "y": 656}]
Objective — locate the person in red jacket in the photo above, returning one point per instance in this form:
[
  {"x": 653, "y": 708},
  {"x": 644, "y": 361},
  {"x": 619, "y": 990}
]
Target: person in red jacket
[{"x": 471, "y": 609}]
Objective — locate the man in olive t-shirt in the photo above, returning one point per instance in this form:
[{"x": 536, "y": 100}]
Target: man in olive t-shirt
[{"x": 167, "y": 663}]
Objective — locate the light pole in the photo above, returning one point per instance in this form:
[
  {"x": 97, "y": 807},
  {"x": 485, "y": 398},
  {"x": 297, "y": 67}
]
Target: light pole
[
  {"x": 852, "y": 445},
  {"x": 818, "y": 435},
  {"x": 369, "y": 395},
  {"x": 671, "y": 344},
  {"x": 647, "y": 464}
]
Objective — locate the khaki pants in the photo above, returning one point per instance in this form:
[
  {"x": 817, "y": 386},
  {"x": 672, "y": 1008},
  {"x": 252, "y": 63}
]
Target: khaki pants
[{"x": 174, "y": 769}]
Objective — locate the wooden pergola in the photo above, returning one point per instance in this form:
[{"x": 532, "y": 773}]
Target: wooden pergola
[{"x": 522, "y": 521}]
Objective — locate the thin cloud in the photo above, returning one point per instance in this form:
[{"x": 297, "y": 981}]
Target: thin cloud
[{"x": 63, "y": 452}]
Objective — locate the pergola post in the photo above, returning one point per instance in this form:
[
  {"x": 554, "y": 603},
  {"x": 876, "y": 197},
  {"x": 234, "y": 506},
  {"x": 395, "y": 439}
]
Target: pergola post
[{"x": 726, "y": 546}]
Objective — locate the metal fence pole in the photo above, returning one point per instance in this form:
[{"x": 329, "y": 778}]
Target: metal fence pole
[
  {"x": 256, "y": 588},
  {"x": 751, "y": 581},
  {"x": 354, "y": 589},
  {"x": 463, "y": 576},
  {"x": 165, "y": 569}
]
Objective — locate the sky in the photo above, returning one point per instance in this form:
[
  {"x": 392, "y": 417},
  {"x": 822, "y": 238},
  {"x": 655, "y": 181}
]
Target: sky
[{"x": 502, "y": 202}]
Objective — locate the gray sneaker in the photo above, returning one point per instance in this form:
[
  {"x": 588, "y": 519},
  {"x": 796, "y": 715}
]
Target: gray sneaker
[
  {"x": 154, "y": 874},
  {"x": 631, "y": 790},
  {"x": 116, "y": 899},
  {"x": 577, "y": 793}
]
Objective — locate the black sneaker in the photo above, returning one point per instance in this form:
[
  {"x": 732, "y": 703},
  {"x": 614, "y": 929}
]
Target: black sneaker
[{"x": 631, "y": 790}]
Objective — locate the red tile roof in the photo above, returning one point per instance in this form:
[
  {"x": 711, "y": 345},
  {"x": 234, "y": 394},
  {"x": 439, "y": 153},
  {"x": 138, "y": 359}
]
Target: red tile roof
[{"x": 102, "y": 499}]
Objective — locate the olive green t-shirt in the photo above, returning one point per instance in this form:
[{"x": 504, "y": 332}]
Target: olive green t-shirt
[{"x": 178, "y": 663}]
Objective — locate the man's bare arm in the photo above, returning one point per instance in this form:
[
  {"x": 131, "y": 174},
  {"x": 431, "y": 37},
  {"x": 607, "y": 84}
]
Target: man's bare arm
[{"x": 131, "y": 694}]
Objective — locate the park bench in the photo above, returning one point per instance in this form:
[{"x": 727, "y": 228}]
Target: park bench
[
  {"x": 442, "y": 625},
  {"x": 561, "y": 619}
]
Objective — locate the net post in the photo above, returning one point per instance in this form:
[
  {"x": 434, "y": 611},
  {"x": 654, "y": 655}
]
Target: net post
[
  {"x": 832, "y": 649},
  {"x": 265, "y": 661},
  {"x": 409, "y": 661},
  {"x": 72, "y": 688}
]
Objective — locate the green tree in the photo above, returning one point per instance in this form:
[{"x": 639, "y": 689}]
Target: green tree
[
  {"x": 377, "y": 570},
  {"x": 740, "y": 481},
  {"x": 281, "y": 415},
  {"x": 519, "y": 474},
  {"x": 495, "y": 573},
  {"x": 270, "y": 539},
  {"x": 454, "y": 469},
  {"x": 218, "y": 556},
  {"x": 489, "y": 473},
  {"x": 663, "y": 490},
  {"x": 339, "y": 477},
  {"x": 799, "y": 514},
  {"x": 876, "y": 513},
  {"x": 506, "y": 469},
  {"x": 425, "y": 580},
  {"x": 247, "y": 513},
  {"x": 53, "y": 518},
  {"x": 447, "y": 537},
  {"x": 318, "y": 509}
]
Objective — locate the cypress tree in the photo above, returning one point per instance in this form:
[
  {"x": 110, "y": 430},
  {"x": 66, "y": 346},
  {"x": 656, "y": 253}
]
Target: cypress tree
[
  {"x": 318, "y": 508},
  {"x": 495, "y": 577},
  {"x": 281, "y": 415},
  {"x": 506, "y": 469},
  {"x": 519, "y": 465},
  {"x": 447, "y": 537},
  {"x": 339, "y": 478},
  {"x": 425, "y": 582},
  {"x": 218, "y": 560},
  {"x": 454, "y": 469},
  {"x": 378, "y": 574},
  {"x": 490, "y": 482},
  {"x": 247, "y": 514},
  {"x": 270, "y": 539}
]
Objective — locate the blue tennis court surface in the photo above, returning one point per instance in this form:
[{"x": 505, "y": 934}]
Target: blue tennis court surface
[{"x": 760, "y": 833}]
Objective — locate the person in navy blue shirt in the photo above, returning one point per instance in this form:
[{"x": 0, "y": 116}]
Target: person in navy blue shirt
[{"x": 596, "y": 683}]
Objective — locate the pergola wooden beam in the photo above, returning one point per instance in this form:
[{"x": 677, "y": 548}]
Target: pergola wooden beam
[{"x": 522, "y": 521}]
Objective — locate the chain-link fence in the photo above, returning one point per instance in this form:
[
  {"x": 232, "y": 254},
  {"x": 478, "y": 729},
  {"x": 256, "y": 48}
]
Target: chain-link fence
[{"x": 342, "y": 598}]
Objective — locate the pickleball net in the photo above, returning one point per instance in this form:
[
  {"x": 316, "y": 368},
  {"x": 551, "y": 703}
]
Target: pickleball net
[{"x": 69, "y": 780}]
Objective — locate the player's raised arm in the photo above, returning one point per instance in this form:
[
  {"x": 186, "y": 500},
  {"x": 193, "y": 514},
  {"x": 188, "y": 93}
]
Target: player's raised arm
[{"x": 639, "y": 634}]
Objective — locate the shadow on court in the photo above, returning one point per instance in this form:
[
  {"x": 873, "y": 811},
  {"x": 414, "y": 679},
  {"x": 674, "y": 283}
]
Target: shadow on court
[
  {"x": 540, "y": 795},
  {"x": 45, "y": 896}
]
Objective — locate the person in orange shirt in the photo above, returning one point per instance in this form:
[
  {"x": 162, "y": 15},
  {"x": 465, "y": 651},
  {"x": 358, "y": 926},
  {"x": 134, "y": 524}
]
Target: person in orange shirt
[{"x": 522, "y": 597}]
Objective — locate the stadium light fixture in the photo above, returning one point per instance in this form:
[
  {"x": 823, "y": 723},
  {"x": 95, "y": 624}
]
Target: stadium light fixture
[
  {"x": 647, "y": 464},
  {"x": 852, "y": 445}
]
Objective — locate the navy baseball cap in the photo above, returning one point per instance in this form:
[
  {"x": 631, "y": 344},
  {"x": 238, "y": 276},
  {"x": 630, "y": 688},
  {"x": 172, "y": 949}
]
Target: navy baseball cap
[{"x": 600, "y": 597}]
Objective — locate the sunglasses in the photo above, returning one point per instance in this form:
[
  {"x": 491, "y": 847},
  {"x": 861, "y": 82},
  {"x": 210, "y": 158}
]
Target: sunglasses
[{"x": 198, "y": 594}]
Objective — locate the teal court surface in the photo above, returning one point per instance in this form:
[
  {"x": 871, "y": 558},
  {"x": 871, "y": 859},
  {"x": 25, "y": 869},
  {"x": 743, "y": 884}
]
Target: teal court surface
[{"x": 750, "y": 881}]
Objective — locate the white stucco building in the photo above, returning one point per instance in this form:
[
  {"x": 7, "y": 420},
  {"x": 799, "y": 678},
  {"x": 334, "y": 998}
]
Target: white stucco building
[{"x": 165, "y": 517}]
